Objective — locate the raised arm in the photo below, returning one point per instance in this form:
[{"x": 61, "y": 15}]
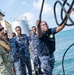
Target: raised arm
[
  {"x": 39, "y": 32},
  {"x": 59, "y": 28}
]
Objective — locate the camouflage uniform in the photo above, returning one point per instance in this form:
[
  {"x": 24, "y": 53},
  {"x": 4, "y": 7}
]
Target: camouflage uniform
[
  {"x": 24, "y": 54},
  {"x": 46, "y": 50},
  {"x": 34, "y": 43},
  {"x": 47, "y": 64},
  {"x": 14, "y": 53},
  {"x": 6, "y": 64}
]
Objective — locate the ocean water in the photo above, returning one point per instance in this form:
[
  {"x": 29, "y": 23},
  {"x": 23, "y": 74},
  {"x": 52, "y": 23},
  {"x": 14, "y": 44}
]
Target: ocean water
[{"x": 63, "y": 40}]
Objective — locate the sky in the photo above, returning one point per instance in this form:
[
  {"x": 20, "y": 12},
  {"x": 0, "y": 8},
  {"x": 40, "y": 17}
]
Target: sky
[{"x": 31, "y": 8}]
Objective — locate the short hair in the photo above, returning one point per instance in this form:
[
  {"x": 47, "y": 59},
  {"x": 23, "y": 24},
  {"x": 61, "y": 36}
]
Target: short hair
[
  {"x": 45, "y": 22},
  {"x": 33, "y": 27},
  {"x": 17, "y": 27},
  {"x": 14, "y": 33}
]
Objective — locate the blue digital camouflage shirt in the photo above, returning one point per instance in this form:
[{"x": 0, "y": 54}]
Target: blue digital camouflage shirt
[
  {"x": 34, "y": 43},
  {"x": 23, "y": 45},
  {"x": 14, "y": 52}
]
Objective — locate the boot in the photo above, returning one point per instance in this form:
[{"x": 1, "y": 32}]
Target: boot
[
  {"x": 36, "y": 73},
  {"x": 40, "y": 72}
]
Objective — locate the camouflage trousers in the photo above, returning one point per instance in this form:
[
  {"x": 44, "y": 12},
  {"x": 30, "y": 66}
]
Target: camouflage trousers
[
  {"x": 47, "y": 64},
  {"x": 36, "y": 63},
  {"x": 17, "y": 67},
  {"x": 36, "y": 60},
  {"x": 28, "y": 64}
]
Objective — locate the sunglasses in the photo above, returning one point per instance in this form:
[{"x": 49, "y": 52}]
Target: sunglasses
[{"x": 1, "y": 29}]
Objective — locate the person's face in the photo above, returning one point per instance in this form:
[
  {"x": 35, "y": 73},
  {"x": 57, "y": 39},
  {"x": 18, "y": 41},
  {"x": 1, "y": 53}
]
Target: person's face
[
  {"x": 44, "y": 26},
  {"x": 34, "y": 30},
  {"x": 13, "y": 35},
  {"x": 2, "y": 32},
  {"x": 6, "y": 36},
  {"x": 18, "y": 30}
]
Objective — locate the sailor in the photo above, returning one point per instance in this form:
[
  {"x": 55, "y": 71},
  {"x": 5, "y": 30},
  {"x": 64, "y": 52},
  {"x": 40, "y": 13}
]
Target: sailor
[
  {"x": 34, "y": 43},
  {"x": 6, "y": 64},
  {"x": 23, "y": 42}
]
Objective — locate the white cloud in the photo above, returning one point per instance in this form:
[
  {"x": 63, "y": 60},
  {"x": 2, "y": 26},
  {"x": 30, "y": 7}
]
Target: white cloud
[
  {"x": 47, "y": 8},
  {"x": 28, "y": 15},
  {"x": 30, "y": 18}
]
